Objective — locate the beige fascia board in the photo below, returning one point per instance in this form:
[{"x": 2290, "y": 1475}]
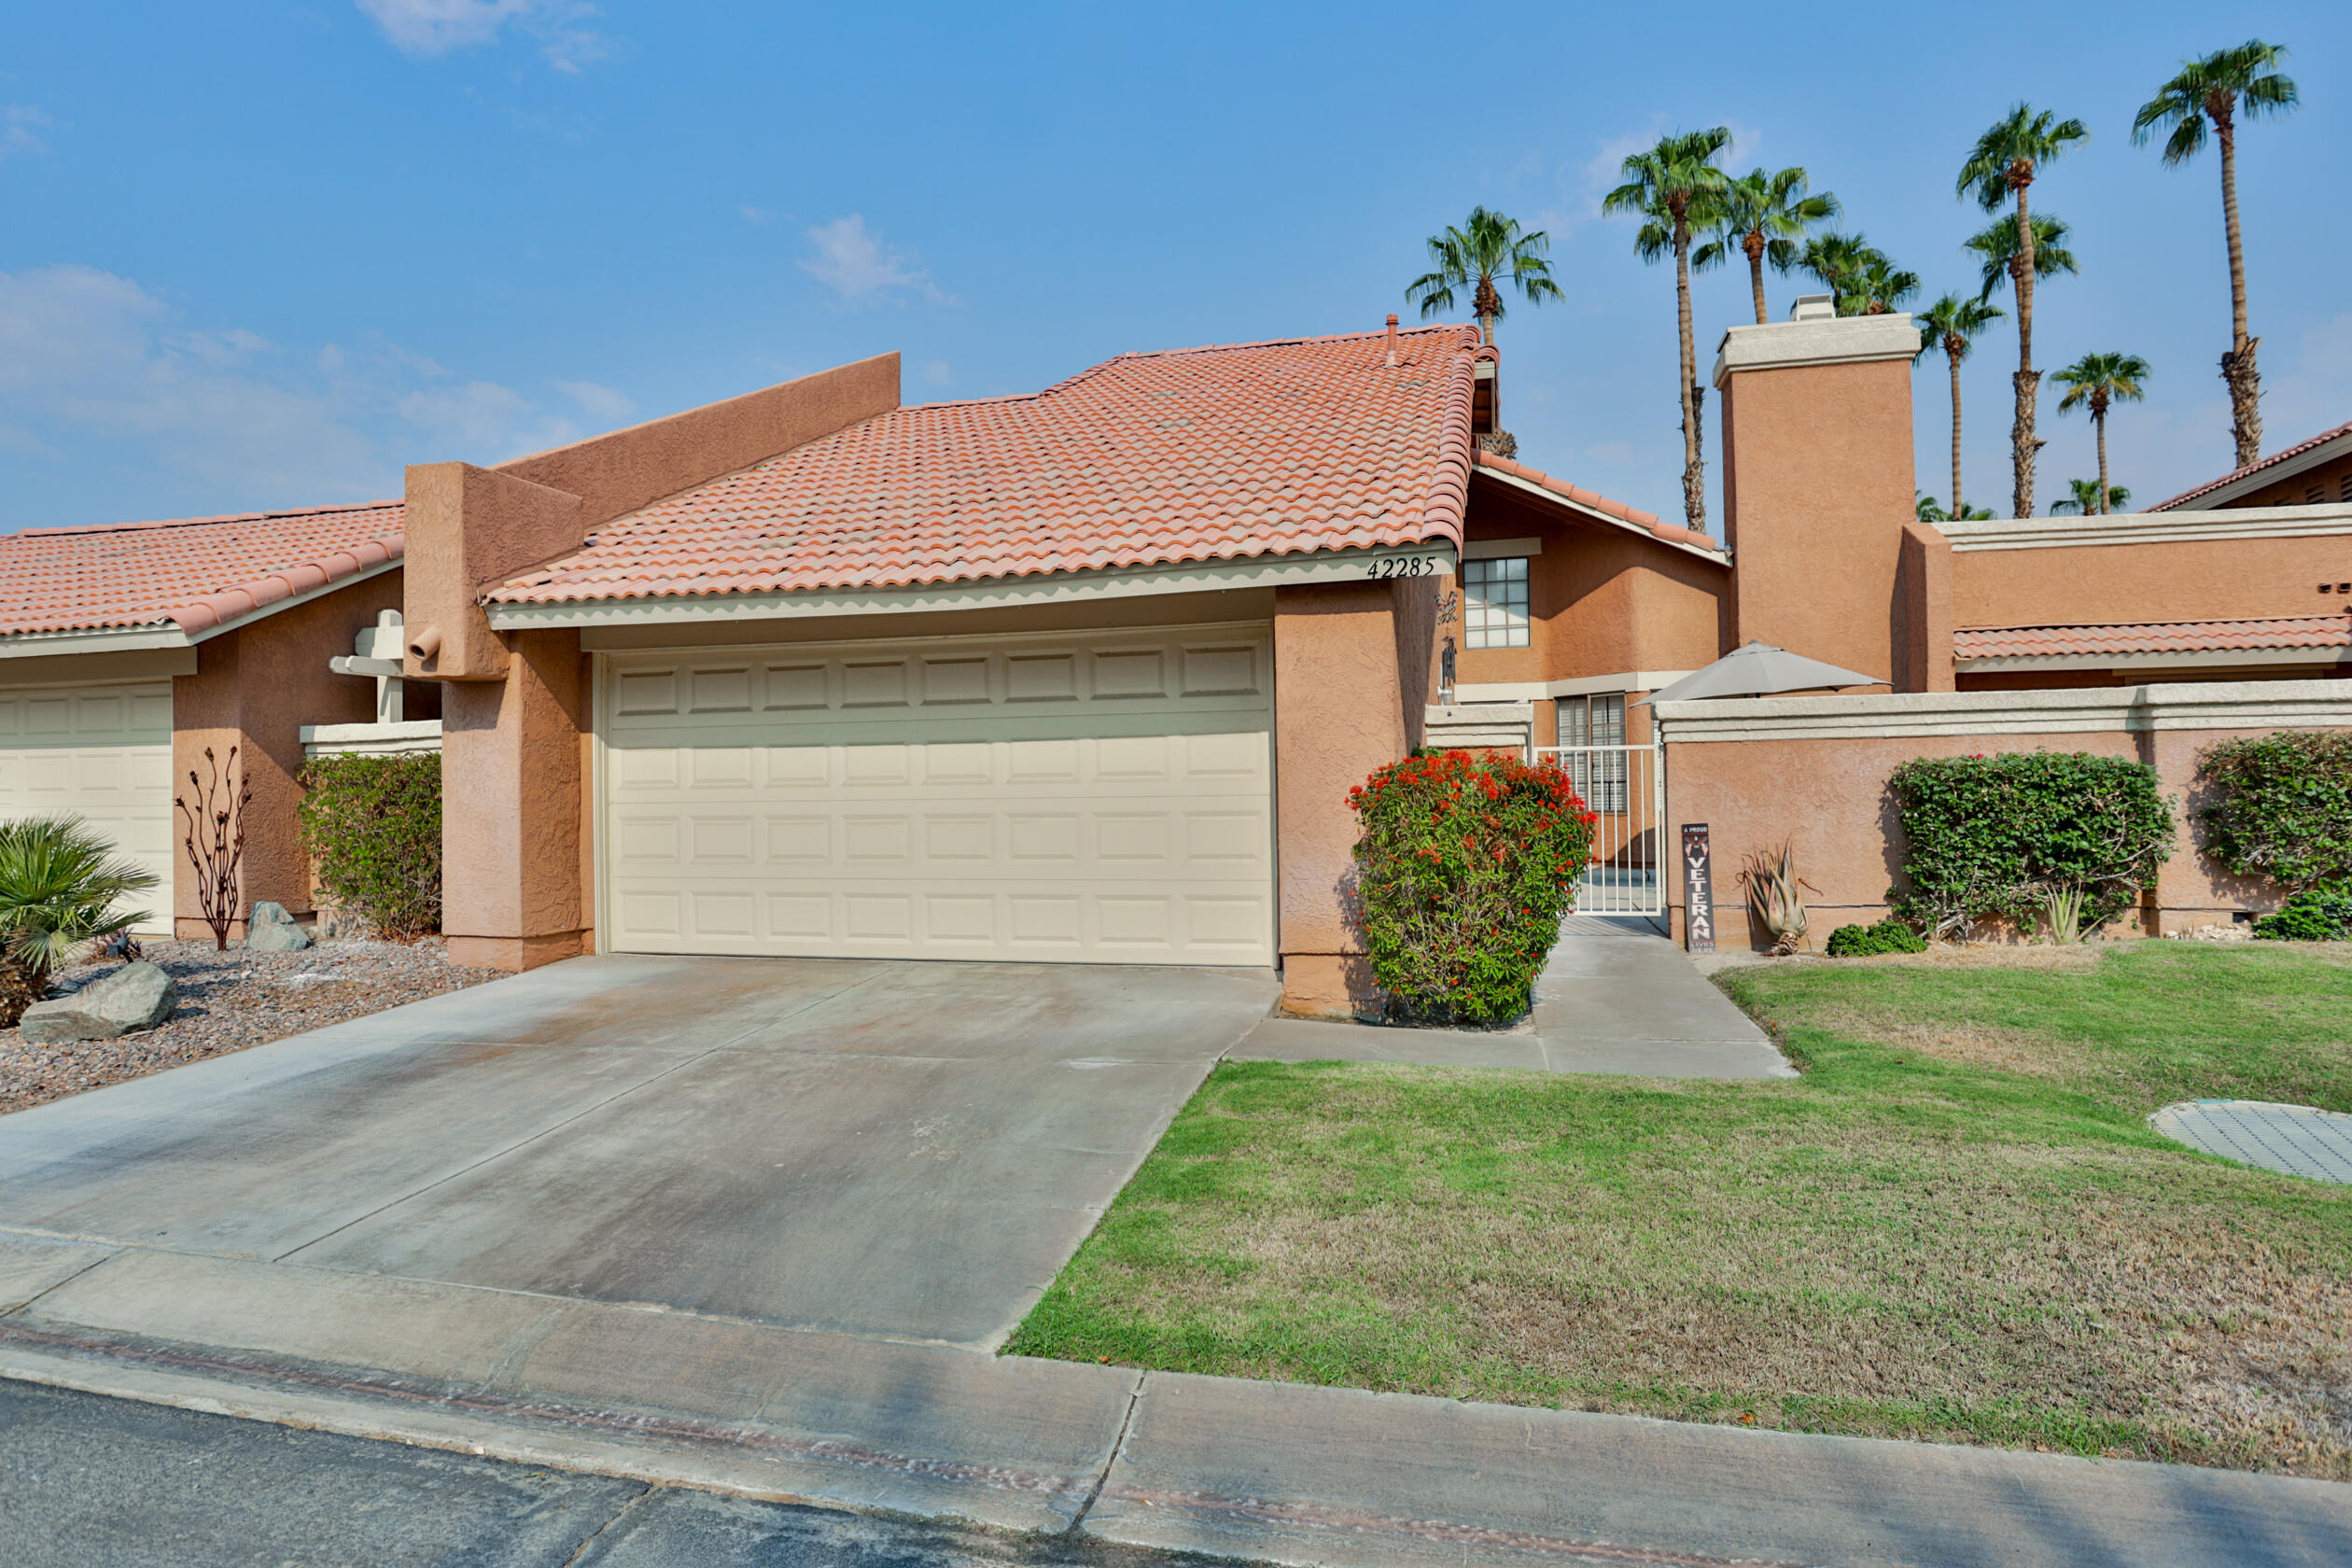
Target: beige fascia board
[
  {"x": 2214, "y": 658},
  {"x": 371, "y": 740},
  {"x": 113, "y": 640},
  {"x": 1429, "y": 559},
  {"x": 2263, "y": 479},
  {"x": 1845, "y": 340},
  {"x": 1576, "y": 686},
  {"x": 1501, "y": 550},
  {"x": 2150, "y": 527},
  {"x": 1720, "y": 558},
  {"x": 2098, "y": 710},
  {"x": 108, "y": 668}
]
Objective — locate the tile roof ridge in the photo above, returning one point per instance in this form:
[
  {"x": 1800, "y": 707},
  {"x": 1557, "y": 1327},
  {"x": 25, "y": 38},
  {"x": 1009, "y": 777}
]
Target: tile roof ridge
[
  {"x": 218, "y": 608},
  {"x": 82, "y": 529},
  {"x": 2129, "y": 626},
  {"x": 1457, "y": 327},
  {"x": 2255, "y": 467}
]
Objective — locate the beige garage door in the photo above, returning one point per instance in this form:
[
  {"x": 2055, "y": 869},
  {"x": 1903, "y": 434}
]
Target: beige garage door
[
  {"x": 1103, "y": 797},
  {"x": 103, "y": 752}
]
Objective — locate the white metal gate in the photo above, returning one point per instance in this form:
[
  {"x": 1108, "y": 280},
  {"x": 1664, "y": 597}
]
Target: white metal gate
[{"x": 1625, "y": 790}]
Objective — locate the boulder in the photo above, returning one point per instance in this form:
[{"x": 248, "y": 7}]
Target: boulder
[
  {"x": 271, "y": 929},
  {"x": 137, "y": 996}
]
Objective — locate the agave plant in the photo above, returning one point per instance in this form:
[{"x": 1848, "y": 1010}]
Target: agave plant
[
  {"x": 2062, "y": 905},
  {"x": 62, "y": 892},
  {"x": 1775, "y": 896}
]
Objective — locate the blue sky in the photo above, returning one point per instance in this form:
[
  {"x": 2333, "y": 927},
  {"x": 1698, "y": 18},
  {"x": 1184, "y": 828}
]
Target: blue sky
[{"x": 264, "y": 255}]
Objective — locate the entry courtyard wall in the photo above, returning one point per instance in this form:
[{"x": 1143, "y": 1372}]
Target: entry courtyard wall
[{"x": 1812, "y": 771}]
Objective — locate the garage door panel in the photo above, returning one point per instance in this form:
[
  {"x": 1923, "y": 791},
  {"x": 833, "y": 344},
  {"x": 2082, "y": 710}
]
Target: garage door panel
[
  {"x": 1104, "y": 799},
  {"x": 103, "y": 753}
]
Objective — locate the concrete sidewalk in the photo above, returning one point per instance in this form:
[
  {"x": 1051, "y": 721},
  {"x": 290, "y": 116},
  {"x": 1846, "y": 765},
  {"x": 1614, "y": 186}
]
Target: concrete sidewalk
[
  {"x": 1259, "y": 1471},
  {"x": 1613, "y": 998}
]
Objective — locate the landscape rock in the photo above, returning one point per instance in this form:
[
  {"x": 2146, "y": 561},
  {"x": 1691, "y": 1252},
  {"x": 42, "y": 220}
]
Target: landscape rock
[
  {"x": 271, "y": 929},
  {"x": 2213, "y": 934},
  {"x": 137, "y": 996}
]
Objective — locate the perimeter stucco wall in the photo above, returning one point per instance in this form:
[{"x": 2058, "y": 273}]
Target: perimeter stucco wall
[
  {"x": 255, "y": 687},
  {"x": 1817, "y": 484},
  {"x": 1350, "y": 685},
  {"x": 1827, "y": 797},
  {"x": 1600, "y": 600},
  {"x": 2185, "y": 580}
]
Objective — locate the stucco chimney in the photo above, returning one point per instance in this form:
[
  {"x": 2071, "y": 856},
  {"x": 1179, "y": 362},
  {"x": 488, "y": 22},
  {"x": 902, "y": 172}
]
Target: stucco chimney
[
  {"x": 1391, "y": 339},
  {"x": 1817, "y": 480}
]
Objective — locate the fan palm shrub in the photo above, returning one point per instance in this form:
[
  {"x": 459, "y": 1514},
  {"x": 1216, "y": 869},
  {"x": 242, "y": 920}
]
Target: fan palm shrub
[{"x": 62, "y": 891}]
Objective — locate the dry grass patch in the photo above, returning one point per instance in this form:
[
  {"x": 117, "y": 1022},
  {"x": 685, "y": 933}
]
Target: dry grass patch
[{"x": 1908, "y": 1241}]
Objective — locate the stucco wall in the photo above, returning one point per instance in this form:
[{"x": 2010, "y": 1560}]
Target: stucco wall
[
  {"x": 1339, "y": 703},
  {"x": 255, "y": 687},
  {"x": 1600, "y": 600},
  {"x": 2187, "y": 579},
  {"x": 1817, "y": 485},
  {"x": 1828, "y": 796}
]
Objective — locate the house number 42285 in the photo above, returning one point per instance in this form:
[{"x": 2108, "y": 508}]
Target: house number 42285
[{"x": 1404, "y": 566}]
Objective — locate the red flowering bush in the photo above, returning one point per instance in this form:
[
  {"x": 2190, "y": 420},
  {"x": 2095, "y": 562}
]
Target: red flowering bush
[{"x": 1465, "y": 864}]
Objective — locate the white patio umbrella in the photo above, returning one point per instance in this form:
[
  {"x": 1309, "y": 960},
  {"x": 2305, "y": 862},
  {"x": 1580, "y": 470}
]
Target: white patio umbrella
[{"x": 1758, "y": 670}]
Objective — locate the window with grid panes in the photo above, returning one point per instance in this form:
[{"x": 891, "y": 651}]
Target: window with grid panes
[
  {"x": 1494, "y": 603},
  {"x": 1596, "y": 720}
]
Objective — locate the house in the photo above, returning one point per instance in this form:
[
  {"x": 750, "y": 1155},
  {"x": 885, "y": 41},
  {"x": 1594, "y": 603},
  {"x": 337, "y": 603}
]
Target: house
[
  {"x": 1085, "y": 675},
  {"x": 127, "y": 650},
  {"x": 2309, "y": 473}
]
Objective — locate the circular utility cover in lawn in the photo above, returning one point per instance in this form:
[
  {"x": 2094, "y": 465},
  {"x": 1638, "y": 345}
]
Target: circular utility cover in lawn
[{"x": 2298, "y": 1140}]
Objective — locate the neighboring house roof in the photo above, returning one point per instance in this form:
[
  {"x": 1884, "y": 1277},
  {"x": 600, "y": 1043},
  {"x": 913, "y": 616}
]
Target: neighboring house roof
[
  {"x": 197, "y": 573},
  {"x": 2267, "y": 470},
  {"x": 2173, "y": 636},
  {"x": 1607, "y": 510},
  {"x": 1197, "y": 454}
]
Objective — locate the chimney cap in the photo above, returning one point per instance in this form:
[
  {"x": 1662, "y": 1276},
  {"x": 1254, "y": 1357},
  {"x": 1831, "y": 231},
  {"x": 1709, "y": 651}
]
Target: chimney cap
[{"x": 1813, "y": 307}]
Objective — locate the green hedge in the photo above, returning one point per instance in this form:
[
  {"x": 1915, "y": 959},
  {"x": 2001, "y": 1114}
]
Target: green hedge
[
  {"x": 1861, "y": 942},
  {"x": 1466, "y": 865},
  {"x": 2318, "y": 915},
  {"x": 2279, "y": 806},
  {"x": 1986, "y": 836},
  {"x": 373, "y": 826}
]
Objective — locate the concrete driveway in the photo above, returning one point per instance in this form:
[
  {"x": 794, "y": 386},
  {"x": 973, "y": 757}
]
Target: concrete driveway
[{"x": 901, "y": 1150}]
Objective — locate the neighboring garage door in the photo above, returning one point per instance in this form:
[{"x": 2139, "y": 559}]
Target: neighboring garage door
[
  {"x": 103, "y": 753},
  {"x": 1103, "y": 797}
]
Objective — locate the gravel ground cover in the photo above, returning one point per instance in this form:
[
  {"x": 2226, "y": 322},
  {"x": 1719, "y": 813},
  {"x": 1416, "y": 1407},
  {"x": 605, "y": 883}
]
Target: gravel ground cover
[{"x": 228, "y": 1002}]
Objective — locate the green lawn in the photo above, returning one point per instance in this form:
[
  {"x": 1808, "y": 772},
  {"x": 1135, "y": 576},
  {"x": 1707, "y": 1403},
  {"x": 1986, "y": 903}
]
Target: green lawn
[{"x": 1956, "y": 1226}]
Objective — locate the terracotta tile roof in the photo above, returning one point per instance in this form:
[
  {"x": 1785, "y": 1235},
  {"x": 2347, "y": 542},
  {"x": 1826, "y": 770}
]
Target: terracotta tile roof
[
  {"x": 2273, "y": 460},
  {"x": 1189, "y": 454},
  {"x": 1672, "y": 533},
  {"x": 2174, "y": 637},
  {"x": 199, "y": 572}
]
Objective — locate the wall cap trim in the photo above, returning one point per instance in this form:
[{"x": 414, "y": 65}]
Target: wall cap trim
[
  {"x": 2148, "y": 528},
  {"x": 1847, "y": 340},
  {"x": 2221, "y": 705}
]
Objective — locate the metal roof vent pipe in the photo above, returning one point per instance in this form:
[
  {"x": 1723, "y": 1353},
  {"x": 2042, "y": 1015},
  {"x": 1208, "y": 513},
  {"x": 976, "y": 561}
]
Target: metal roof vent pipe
[{"x": 1391, "y": 341}]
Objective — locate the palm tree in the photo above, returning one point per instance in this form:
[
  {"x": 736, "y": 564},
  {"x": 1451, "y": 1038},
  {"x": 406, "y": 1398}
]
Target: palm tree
[
  {"x": 1931, "y": 510},
  {"x": 1877, "y": 286},
  {"x": 2094, "y": 382},
  {"x": 1950, "y": 324},
  {"x": 1838, "y": 260},
  {"x": 1762, "y": 216},
  {"x": 1995, "y": 244},
  {"x": 1488, "y": 248},
  {"x": 2219, "y": 88},
  {"x": 2086, "y": 499},
  {"x": 1676, "y": 188},
  {"x": 1999, "y": 169}
]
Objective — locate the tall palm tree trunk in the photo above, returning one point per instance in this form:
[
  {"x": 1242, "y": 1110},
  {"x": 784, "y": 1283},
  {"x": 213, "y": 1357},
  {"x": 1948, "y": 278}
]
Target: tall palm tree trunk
[
  {"x": 1694, "y": 470},
  {"x": 1755, "y": 247},
  {"x": 1954, "y": 359},
  {"x": 2022, "y": 445},
  {"x": 2238, "y": 365},
  {"x": 2098, "y": 418}
]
